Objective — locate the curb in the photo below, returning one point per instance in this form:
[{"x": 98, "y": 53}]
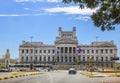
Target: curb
[{"x": 21, "y": 75}]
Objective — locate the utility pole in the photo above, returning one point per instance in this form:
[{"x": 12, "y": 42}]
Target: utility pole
[
  {"x": 97, "y": 38},
  {"x": 31, "y": 38}
]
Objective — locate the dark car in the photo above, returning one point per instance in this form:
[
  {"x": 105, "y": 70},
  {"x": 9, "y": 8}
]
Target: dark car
[{"x": 72, "y": 71}]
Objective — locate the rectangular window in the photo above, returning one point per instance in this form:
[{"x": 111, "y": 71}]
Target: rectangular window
[
  {"x": 48, "y": 51},
  {"x": 22, "y": 51},
  {"x": 96, "y": 58},
  {"x": 97, "y": 51},
  {"x": 31, "y": 50},
  {"x": 101, "y": 50},
  {"x": 111, "y": 50},
  {"x": 88, "y": 51},
  {"x": 40, "y": 58},
  {"x": 36, "y": 51},
  {"x": 106, "y": 58},
  {"x": 83, "y": 58},
  {"x": 101, "y": 58},
  {"x": 53, "y": 51},
  {"x": 40, "y": 51},
  {"x": 106, "y": 50},
  {"x": 26, "y": 51},
  {"x": 44, "y": 51},
  {"x": 92, "y": 51},
  {"x": 83, "y": 51}
]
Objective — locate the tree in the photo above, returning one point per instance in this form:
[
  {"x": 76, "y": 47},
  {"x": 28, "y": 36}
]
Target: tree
[
  {"x": 2, "y": 65},
  {"x": 107, "y": 15}
]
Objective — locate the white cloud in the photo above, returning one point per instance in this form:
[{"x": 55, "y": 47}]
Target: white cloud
[
  {"x": 84, "y": 18},
  {"x": 26, "y": 8},
  {"x": 38, "y": 0},
  {"x": 2, "y": 15},
  {"x": 71, "y": 10},
  {"x": 54, "y": 0},
  {"x": 13, "y": 14}
]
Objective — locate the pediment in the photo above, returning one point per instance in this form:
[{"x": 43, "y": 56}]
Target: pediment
[
  {"x": 66, "y": 41},
  {"x": 26, "y": 44},
  {"x": 106, "y": 45}
]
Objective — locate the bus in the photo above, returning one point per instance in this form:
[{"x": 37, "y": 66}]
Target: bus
[{"x": 19, "y": 67}]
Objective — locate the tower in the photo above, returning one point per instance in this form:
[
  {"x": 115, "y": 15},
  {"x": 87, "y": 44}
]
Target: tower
[{"x": 7, "y": 58}]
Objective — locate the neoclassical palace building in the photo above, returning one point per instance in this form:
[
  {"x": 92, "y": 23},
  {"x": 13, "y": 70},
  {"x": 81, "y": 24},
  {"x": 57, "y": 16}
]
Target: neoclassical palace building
[{"x": 67, "y": 51}]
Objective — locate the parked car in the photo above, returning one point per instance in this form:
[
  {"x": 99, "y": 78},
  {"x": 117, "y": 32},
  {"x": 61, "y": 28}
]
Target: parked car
[
  {"x": 4, "y": 70},
  {"x": 72, "y": 71}
]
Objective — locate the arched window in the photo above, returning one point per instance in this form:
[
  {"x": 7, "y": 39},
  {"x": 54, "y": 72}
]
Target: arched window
[
  {"x": 62, "y": 59},
  {"x": 26, "y": 58},
  {"x": 49, "y": 58},
  {"x": 44, "y": 58},
  {"x": 70, "y": 60}
]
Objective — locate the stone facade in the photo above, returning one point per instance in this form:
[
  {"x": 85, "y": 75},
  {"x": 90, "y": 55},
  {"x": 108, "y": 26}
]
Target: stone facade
[{"x": 64, "y": 52}]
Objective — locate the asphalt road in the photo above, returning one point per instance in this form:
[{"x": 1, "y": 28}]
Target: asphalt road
[{"x": 53, "y": 77}]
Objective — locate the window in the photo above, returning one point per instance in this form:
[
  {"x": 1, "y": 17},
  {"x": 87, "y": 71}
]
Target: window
[
  {"x": 96, "y": 51},
  {"x": 92, "y": 51},
  {"x": 48, "y": 58},
  {"x": 26, "y": 51},
  {"x": 70, "y": 50},
  {"x": 106, "y": 58},
  {"x": 53, "y": 58},
  {"x": 44, "y": 58},
  {"x": 35, "y": 58},
  {"x": 22, "y": 51},
  {"x": 111, "y": 58},
  {"x": 83, "y": 58},
  {"x": 62, "y": 59},
  {"x": 61, "y": 49},
  {"x": 74, "y": 50},
  {"x": 66, "y": 49},
  {"x": 58, "y": 58},
  {"x": 26, "y": 58},
  {"x": 48, "y": 51},
  {"x": 53, "y": 51},
  {"x": 101, "y": 58},
  {"x": 97, "y": 58},
  {"x": 106, "y": 65},
  {"x": 22, "y": 58},
  {"x": 111, "y": 50},
  {"x": 36, "y": 51},
  {"x": 101, "y": 50},
  {"x": 87, "y": 51},
  {"x": 40, "y": 51},
  {"x": 44, "y": 51},
  {"x": 83, "y": 51},
  {"x": 31, "y": 58},
  {"x": 74, "y": 59},
  {"x": 70, "y": 60},
  {"x": 106, "y": 50},
  {"x": 31, "y": 50},
  {"x": 40, "y": 58},
  {"x": 88, "y": 58}
]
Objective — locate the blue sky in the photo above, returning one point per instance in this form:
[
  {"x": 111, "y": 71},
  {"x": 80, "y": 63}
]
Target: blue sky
[{"x": 21, "y": 19}]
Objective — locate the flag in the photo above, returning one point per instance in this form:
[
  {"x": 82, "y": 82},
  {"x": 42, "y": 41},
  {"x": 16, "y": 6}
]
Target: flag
[
  {"x": 78, "y": 49},
  {"x": 57, "y": 50}
]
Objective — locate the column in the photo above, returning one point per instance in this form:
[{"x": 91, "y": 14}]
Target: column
[
  {"x": 63, "y": 50},
  {"x": 72, "y": 50}
]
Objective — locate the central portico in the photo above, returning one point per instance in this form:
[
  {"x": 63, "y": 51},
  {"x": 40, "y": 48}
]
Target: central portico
[{"x": 66, "y": 44}]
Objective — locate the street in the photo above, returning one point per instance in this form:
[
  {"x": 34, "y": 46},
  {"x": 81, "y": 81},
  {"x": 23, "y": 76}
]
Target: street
[{"x": 53, "y": 77}]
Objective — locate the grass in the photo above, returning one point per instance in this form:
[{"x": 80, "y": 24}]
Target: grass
[
  {"x": 115, "y": 75},
  {"x": 89, "y": 74}
]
